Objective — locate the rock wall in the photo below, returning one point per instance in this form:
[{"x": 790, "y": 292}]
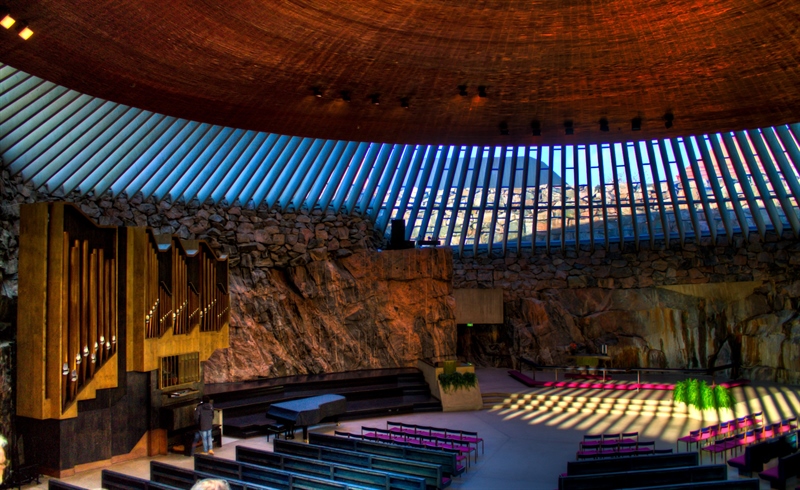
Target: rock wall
[
  {"x": 310, "y": 291},
  {"x": 693, "y": 307}
]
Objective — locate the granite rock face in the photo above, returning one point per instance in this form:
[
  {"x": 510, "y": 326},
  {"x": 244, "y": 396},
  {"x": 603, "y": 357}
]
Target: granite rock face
[
  {"x": 694, "y": 307},
  {"x": 367, "y": 310}
]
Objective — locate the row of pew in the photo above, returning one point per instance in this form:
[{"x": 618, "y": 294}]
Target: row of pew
[
  {"x": 737, "y": 442},
  {"x": 325, "y": 463},
  {"x": 672, "y": 471},
  {"x": 616, "y": 444},
  {"x": 756, "y": 456},
  {"x": 703, "y": 434}
]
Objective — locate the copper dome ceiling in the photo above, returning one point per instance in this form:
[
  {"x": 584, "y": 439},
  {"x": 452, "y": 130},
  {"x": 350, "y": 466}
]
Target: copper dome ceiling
[{"x": 716, "y": 65}]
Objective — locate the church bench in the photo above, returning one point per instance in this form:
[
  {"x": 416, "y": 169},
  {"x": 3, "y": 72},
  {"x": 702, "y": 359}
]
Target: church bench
[
  {"x": 748, "y": 484},
  {"x": 330, "y": 470},
  {"x": 633, "y": 463},
  {"x": 184, "y": 479},
  {"x": 469, "y": 437},
  {"x": 419, "y": 440},
  {"x": 269, "y": 477},
  {"x": 787, "y": 467},
  {"x": 54, "y": 484},
  {"x": 430, "y": 472},
  {"x": 112, "y": 480},
  {"x": 446, "y": 459},
  {"x": 755, "y": 455},
  {"x": 644, "y": 478}
]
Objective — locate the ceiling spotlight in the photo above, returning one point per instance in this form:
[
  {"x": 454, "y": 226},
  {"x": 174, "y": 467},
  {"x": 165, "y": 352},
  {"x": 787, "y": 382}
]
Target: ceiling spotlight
[
  {"x": 24, "y": 31},
  {"x": 604, "y": 124},
  {"x": 503, "y": 128},
  {"x": 7, "y": 21},
  {"x": 568, "y": 128},
  {"x": 375, "y": 98},
  {"x": 462, "y": 90},
  {"x": 536, "y": 128},
  {"x": 404, "y": 103},
  {"x": 482, "y": 91},
  {"x": 317, "y": 91},
  {"x": 668, "y": 118},
  {"x": 345, "y": 95},
  {"x": 636, "y": 123}
]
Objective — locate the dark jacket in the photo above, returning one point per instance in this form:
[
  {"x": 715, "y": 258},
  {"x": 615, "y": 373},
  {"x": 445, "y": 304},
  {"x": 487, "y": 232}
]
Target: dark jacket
[{"x": 204, "y": 415}]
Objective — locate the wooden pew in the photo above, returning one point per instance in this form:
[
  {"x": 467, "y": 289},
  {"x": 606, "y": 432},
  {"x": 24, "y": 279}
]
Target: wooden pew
[
  {"x": 269, "y": 477},
  {"x": 330, "y": 470},
  {"x": 111, "y": 480},
  {"x": 646, "y": 478},
  {"x": 430, "y": 473},
  {"x": 755, "y": 455},
  {"x": 184, "y": 479},
  {"x": 446, "y": 459},
  {"x": 748, "y": 484},
  {"x": 787, "y": 467},
  {"x": 54, "y": 484},
  {"x": 633, "y": 463}
]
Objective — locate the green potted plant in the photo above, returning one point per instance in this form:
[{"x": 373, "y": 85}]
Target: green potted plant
[{"x": 699, "y": 394}]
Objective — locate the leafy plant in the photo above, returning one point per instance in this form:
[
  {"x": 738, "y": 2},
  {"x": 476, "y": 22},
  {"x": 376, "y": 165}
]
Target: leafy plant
[
  {"x": 455, "y": 381},
  {"x": 699, "y": 394}
]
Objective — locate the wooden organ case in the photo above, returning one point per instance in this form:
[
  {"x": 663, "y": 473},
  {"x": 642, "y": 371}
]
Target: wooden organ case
[{"x": 113, "y": 325}]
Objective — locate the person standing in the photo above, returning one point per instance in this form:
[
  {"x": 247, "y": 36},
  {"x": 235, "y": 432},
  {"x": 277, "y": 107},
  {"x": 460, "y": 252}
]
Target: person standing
[{"x": 204, "y": 417}]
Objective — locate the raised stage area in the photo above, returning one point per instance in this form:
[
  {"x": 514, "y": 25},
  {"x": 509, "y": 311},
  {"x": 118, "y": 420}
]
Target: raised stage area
[{"x": 370, "y": 392}]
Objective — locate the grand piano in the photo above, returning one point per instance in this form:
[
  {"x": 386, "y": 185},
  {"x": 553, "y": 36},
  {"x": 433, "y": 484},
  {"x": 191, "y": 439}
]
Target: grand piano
[{"x": 308, "y": 411}]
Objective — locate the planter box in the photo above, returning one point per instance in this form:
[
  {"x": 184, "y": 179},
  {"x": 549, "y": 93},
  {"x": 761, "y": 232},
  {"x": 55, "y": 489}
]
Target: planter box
[{"x": 456, "y": 400}]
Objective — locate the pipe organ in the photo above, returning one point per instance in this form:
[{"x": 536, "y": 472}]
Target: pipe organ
[{"x": 109, "y": 308}]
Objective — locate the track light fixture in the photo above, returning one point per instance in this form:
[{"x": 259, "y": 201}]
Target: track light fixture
[
  {"x": 536, "y": 128},
  {"x": 604, "y": 124},
  {"x": 503, "y": 128},
  {"x": 405, "y": 103},
  {"x": 668, "y": 118},
  {"x": 375, "y": 99},
  {"x": 482, "y": 91},
  {"x": 5, "y": 18},
  {"x": 636, "y": 123},
  {"x": 345, "y": 95},
  {"x": 568, "y": 128},
  {"x": 462, "y": 90},
  {"x": 317, "y": 92}
]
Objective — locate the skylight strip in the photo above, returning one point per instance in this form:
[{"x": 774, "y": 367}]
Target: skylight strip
[
  {"x": 246, "y": 166},
  {"x": 196, "y": 173},
  {"x": 354, "y": 186},
  {"x": 727, "y": 179},
  {"x": 330, "y": 151},
  {"x": 284, "y": 169},
  {"x": 209, "y": 184},
  {"x": 744, "y": 182},
  {"x": 117, "y": 161},
  {"x": 777, "y": 185},
  {"x": 755, "y": 173},
  {"x": 301, "y": 170},
  {"x": 276, "y": 163}
]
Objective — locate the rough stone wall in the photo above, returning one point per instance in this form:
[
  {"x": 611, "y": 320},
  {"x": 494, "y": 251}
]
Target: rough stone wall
[
  {"x": 310, "y": 291},
  {"x": 693, "y": 307}
]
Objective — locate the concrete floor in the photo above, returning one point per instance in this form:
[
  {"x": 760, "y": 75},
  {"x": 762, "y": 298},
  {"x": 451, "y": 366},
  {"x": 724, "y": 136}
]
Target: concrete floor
[{"x": 524, "y": 450}]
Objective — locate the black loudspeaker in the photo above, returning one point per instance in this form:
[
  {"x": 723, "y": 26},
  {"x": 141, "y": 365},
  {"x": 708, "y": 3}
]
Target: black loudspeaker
[{"x": 398, "y": 237}]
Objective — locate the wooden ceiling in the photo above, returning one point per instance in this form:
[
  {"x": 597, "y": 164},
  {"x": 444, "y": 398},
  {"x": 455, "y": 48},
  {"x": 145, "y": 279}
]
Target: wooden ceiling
[{"x": 714, "y": 64}]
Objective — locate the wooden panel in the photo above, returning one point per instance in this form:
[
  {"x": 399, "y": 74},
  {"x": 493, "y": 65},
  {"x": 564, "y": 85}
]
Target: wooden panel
[
  {"x": 479, "y": 305},
  {"x": 31, "y": 313}
]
